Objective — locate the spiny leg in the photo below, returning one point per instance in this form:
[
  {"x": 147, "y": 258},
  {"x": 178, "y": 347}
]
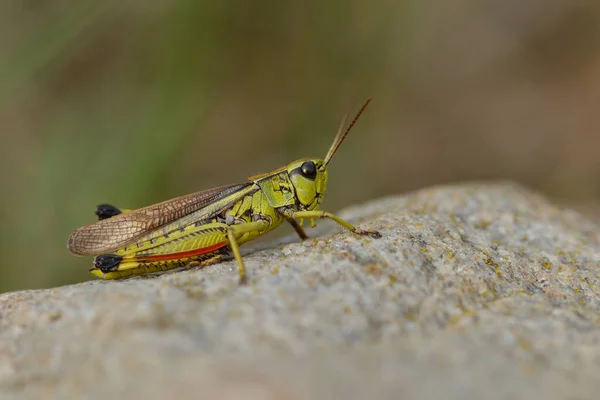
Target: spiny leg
[
  {"x": 324, "y": 214},
  {"x": 125, "y": 270}
]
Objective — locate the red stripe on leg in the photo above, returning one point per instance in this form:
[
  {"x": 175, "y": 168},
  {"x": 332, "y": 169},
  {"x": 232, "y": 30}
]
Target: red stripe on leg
[{"x": 182, "y": 254}]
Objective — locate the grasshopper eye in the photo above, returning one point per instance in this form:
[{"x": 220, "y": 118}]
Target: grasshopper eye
[{"x": 309, "y": 170}]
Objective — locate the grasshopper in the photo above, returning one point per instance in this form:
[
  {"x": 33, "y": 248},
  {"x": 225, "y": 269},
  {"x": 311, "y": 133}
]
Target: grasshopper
[{"x": 206, "y": 227}]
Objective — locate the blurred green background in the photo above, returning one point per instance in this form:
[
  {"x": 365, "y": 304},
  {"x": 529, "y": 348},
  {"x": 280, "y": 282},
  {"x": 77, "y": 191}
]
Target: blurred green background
[{"x": 134, "y": 102}]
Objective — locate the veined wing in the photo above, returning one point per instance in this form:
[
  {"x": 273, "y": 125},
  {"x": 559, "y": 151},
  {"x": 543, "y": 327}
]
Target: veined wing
[{"x": 116, "y": 232}]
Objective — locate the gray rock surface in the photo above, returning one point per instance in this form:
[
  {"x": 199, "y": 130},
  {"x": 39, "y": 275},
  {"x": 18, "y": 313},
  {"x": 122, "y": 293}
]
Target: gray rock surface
[{"x": 476, "y": 291}]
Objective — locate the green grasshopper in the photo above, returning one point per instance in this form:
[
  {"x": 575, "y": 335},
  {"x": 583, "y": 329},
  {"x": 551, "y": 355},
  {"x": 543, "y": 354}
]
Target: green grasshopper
[{"x": 203, "y": 228}]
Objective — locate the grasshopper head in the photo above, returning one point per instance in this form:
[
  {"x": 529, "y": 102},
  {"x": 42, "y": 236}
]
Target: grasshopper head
[{"x": 309, "y": 176}]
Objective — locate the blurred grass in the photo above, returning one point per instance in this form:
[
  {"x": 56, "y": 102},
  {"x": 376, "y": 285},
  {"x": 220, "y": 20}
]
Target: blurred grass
[{"x": 135, "y": 102}]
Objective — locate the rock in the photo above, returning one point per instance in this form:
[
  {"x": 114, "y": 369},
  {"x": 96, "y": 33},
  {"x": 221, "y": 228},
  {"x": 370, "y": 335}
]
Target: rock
[{"x": 478, "y": 291}]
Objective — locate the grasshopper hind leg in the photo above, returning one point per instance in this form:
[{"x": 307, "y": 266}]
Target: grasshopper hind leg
[
  {"x": 112, "y": 266},
  {"x": 198, "y": 245}
]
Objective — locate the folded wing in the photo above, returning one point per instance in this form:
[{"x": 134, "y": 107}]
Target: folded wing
[{"x": 119, "y": 231}]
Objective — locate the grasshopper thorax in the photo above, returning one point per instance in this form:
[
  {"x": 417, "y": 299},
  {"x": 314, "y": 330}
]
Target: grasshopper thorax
[{"x": 309, "y": 178}]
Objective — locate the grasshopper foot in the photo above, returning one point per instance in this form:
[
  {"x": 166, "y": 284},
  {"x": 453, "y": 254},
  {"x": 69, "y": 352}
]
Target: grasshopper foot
[
  {"x": 193, "y": 264},
  {"x": 373, "y": 234}
]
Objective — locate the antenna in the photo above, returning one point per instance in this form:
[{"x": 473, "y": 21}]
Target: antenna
[{"x": 339, "y": 137}]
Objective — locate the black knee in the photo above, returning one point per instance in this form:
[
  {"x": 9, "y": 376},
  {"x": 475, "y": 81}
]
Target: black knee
[
  {"x": 107, "y": 262},
  {"x": 104, "y": 211}
]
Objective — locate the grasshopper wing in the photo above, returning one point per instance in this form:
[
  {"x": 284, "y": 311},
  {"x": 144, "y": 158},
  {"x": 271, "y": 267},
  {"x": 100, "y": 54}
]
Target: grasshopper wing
[{"x": 116, "y": 232}]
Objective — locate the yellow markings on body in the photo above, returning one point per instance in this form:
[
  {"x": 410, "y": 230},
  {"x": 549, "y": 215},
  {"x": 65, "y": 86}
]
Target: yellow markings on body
[{"x": 198, "y": 228}]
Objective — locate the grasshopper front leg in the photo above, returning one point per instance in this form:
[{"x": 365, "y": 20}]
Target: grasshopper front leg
[{"x": 292, "y": 215}]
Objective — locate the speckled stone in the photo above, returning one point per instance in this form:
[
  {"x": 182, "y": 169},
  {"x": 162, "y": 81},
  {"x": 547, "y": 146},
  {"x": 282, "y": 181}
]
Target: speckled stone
[{"x": 475, "y": 291}]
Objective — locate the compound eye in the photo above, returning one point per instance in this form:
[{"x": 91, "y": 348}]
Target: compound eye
[{"x": 309, "y": 170}]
